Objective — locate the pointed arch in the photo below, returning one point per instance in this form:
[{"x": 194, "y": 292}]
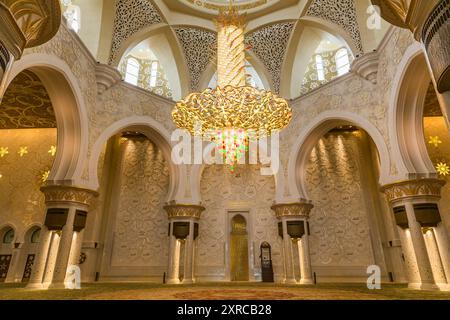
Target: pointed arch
[
  {"x": 70, "y": 112},
  {"x": 308, "y": 137}
]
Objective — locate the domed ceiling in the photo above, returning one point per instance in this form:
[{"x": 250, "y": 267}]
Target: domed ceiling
[
  {"x": 240, "y": 4},
  {"x": 208, "y": 8}
]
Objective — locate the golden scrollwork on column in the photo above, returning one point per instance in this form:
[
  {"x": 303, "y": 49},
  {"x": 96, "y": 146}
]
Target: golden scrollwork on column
[
  {"x": 184, "y": 211},
  {"x": 62, "y": 194},
  {"x": 298, "y": 209},
  {"x": 407, "y": 14},
  {"x": 430, "y": 188},
  {"x": 28, "y": 23}
]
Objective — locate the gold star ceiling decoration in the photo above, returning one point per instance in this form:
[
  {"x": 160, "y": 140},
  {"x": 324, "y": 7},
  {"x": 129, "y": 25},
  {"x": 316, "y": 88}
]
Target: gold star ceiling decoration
[
  {"x": 435, "y": 141},
  {"x": 443, "y": 169}
]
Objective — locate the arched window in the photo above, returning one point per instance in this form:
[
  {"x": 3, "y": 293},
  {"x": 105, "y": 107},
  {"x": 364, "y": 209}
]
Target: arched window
[
  {"x": 132, "y": 71},
  {"x": 35, "y": 236},
  {"x": 154, "y": 74},
  {"x": 320, "y": 69},
  {"x": 342, "y": 62},
  {"x": 72, "y": 13},
  {"x": 8, "y": 237}
]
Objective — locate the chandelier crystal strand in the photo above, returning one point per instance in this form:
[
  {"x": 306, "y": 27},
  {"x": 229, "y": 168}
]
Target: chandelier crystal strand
[{"x": 233, "y": 113}]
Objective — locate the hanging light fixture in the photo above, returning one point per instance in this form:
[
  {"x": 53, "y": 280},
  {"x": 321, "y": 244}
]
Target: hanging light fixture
[{"x": 233, "y": 113}]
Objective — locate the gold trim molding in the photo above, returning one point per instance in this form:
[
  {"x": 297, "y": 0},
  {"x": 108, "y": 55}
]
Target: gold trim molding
[
  {"x": 184, "y": 211},
  {"x": 297, "y": 209},
  {"x": 413, "y": 189},
  {"x": 76, "y": 195}
]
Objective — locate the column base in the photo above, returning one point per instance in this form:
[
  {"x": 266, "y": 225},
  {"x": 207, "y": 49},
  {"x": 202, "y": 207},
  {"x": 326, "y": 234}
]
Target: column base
[
  {"x": 444, "y": 287},
  {"x": 36, "y": 286},
  {"x": 290, "y": 281},
  {"x": 423, "y": 286},
  {"x": 173, "y": 281},
  {"x": 306, "y": 281},
  {"x": 59, "y": 285},
  {"x": 188, "y": 281}
]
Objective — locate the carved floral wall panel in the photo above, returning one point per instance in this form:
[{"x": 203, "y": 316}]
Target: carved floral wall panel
[
  {"x": 140, "y": 230},
  {"x": 339, "y": 226},
  {"x": 244, "y": 190}
]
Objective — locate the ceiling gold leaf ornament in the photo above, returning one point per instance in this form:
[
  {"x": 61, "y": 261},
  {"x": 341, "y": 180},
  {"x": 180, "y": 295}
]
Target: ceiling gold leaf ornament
[
  {"x": 28, "y": 23},
  {"x": 413, "y": 189},
  {"x": 183, "y": 211},
  {"x": 240, "y": 5},
  {"x": 26, "y": 104},
  {"x": 298, "y": 209}
]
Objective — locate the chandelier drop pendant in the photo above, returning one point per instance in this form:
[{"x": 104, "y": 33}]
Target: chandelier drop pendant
[{"x": 232, "y": 114}]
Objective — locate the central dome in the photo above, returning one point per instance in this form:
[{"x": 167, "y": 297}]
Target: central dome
[{"x": 219, "y": 4}]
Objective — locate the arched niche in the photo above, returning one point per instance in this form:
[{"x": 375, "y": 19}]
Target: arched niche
[
  {"x": 70, "y": 113},
  {"x": 156, "y": 133},
  {"x": 318, "y": 127}
]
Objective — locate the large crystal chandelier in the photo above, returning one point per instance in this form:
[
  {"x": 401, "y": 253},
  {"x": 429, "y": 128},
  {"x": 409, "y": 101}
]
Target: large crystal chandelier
[{"x": 233, "y": 113}]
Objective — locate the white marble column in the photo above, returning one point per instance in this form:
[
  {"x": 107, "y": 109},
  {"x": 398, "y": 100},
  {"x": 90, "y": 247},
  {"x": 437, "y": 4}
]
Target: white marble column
[
  {"x": 188, "y": 256},
  {"x": 435, "y": 259},
  {"x": 182, "y": 213},
  {"x": 172, "y": 244},
  {"x": 443, "y": 244},
  {"x": 37, "y": 274},
  {"x": 420, "y": 250},
  {"x": 14, "y": 265},
  {"x": 51, "y": 259},
  {"x": 300, "y": 257},
  {"x": 297, "y": 211},
  {"x": 288, "y": 261},
  {"x": 174, "y": 271},
  {"x": 412, "y": 271},
  {"x": 65, "y": 247},
  {"x": 305, "y": 260},
  {"x": 75, "y": 252}
]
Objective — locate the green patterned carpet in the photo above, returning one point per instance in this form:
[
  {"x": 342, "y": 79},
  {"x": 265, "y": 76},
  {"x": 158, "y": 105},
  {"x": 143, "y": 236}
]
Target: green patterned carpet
[{"x": 220, "y": 291}]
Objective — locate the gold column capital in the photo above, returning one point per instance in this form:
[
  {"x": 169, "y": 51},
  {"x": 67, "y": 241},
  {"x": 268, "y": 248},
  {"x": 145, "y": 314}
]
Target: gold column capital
[
  {"x": 410, "y": 189},
  {"x": 297, "y": 209},
  {"x": 56, "y": 194},
  {"x": 176, "y": 210}
]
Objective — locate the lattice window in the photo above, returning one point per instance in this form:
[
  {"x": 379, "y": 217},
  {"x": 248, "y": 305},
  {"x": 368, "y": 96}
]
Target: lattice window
[
  {"x": 342, "y": 62},
  {"x": 320, "y": 69},
  {"x": 132, "y": 71}
]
